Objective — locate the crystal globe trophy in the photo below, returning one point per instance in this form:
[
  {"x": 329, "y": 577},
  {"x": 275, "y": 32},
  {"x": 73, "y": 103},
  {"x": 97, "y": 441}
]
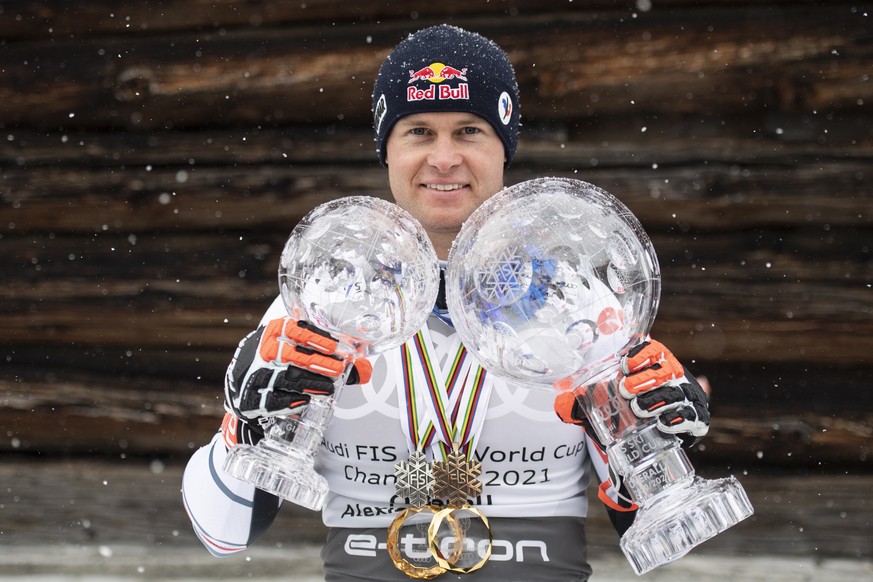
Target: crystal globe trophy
[
  {"x": 363, "y": 270},
  {"x": 548, "y": 283}
]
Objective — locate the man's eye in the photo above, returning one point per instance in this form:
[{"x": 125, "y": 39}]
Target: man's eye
[
  {"x": 471, "y": 130},
  {"x": 418, "y": 131}
]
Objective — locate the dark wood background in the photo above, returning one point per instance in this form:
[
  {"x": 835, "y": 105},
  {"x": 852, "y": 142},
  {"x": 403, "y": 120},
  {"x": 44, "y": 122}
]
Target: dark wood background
[{"x": 155, "y": 157}]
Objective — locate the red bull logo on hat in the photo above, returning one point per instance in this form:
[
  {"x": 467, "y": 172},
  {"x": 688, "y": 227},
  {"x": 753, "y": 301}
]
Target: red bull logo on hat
[{"x": 436, "y": 73}]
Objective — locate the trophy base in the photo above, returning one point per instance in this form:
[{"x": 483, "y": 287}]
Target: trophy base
[
  {"x": 276, "y": 467},
  {"x": 670, "y": 527}
]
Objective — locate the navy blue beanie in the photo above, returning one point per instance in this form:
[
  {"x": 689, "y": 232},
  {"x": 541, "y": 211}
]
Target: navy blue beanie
[{"x": 446, "y": 68}]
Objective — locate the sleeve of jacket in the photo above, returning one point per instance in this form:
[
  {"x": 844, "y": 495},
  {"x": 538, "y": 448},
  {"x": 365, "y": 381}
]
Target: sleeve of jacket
[
  {"x": 619, "y": 508},
  {"x": 227, "y": 514}
]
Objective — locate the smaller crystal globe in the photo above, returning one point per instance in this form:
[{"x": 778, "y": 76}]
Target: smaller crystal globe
[
  {"x": 550, "y": 280},
  {"x": 365, "y": 271},
  {"x": 362, "y": 269}
]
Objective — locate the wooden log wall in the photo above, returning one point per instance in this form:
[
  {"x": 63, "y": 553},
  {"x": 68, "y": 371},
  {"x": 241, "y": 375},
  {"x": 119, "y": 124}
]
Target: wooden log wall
[{"x": 155, "y": 156}]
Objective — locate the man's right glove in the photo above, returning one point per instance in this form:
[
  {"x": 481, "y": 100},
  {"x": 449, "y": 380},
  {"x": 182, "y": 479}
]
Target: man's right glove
[{"x": 277, "y": 368}]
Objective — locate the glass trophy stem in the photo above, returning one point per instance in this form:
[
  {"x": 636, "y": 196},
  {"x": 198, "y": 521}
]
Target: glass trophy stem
[
  {"x": 283, "y": 462},
  {"x": 677, "y": 509}
]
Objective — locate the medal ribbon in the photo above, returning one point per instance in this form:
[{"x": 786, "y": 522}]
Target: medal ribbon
[
  {"x": 473, "y": 414},
  {"x": 407, "y": 400},
  {"x": 447, "y": 404}
]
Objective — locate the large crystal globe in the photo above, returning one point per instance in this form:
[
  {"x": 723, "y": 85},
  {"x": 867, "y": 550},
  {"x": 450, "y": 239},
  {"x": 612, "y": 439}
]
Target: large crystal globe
[
  {"x": 550, "y": 280},
  {"x": 362, "y": 269},
  {"x": 547, "y": 283}
]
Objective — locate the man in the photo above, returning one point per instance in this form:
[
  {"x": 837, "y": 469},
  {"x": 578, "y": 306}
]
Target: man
[{"x": 446, "y": 117}]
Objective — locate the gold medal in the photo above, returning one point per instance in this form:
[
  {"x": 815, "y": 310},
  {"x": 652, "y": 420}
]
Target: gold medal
[
  {"x": 408, "y": 543},
  {"x": 407, "y": 535},
  {"x": 460, "y": 539},
  {"x": 459, "y": 536}
]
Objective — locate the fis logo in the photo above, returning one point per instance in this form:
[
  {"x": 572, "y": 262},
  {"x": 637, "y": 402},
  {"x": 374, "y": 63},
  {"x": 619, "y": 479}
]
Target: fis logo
[{"x": 436, "y": 73}]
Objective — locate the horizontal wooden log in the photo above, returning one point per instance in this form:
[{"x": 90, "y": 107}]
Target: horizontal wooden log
[
  {"x": 74, "y": 412},
  {"x": 170, "y": 272},
  {"x": 729, "y": 340},
  {"x": 122, "y": 503},
  {"x": 112, "y": 501},
  {"x": 689, "y": 62},
  {"x": 694, "y": 334},
  {"x": 143, "y": 296},
  {"x": 774, "y": 295},
  {"x": 56, "y": 18},
  {"x": 206, "y": 197},
  {"x": 629, "y": 140},
  {"x": 778, "y": 440},
  {"x": 770, "y": 387}
]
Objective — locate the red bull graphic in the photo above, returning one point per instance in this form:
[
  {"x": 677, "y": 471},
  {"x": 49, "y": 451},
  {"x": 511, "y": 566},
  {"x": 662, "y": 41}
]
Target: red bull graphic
[
  {"x": 453, "y": 73},
  {"x": 424, "y": 74},
  {"x": 436, "y": 73}
]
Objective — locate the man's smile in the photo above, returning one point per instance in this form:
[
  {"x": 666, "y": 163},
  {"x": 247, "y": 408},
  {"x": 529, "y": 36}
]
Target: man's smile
[{"x": 445, "y": 187}]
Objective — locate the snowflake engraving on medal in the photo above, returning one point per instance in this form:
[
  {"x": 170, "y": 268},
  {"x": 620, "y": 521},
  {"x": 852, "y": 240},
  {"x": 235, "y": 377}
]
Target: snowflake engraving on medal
[
  {"x": 415, "y": 480},
  {"x": 457, "y": 479}
]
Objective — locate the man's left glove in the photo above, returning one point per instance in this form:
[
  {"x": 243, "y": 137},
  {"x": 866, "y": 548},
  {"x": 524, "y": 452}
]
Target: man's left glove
[
  {"x": 279, "y": 367},
  {"x": 657, "y": 386}
]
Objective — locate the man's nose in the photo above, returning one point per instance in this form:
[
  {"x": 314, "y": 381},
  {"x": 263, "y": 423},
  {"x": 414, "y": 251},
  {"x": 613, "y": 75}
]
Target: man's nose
[{"x": 444, "y": 154}]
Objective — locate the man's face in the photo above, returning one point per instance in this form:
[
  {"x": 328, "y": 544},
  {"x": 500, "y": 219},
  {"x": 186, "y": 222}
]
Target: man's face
[{"x": 441, "y": 167}]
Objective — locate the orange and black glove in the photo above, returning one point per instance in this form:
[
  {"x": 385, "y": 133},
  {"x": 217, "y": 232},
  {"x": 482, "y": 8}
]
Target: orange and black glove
[
  {"x": 277, "y": 368},
  {"x": 658, "y": 386}
]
